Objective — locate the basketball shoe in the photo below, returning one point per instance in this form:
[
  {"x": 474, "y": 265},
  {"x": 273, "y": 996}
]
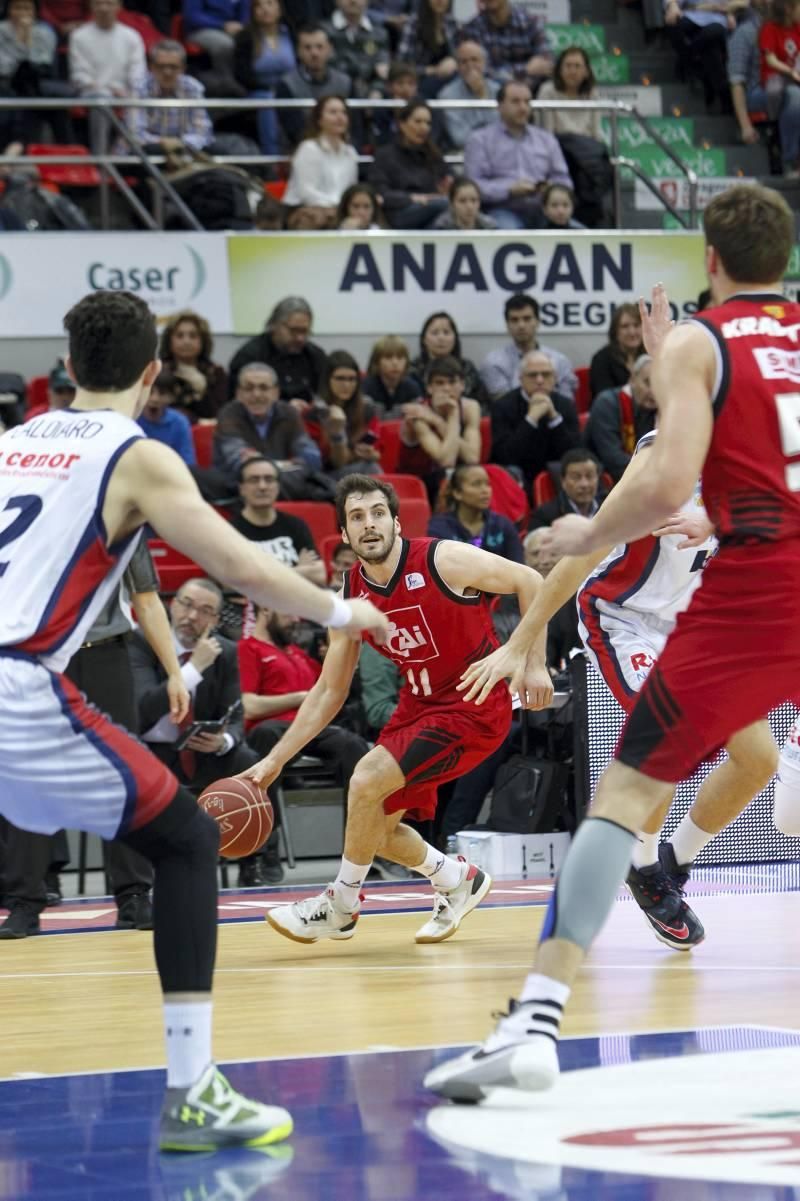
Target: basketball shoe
[
  {"x": 451, "y": 906},
  {"x": 236, "y": 1175},
  {"x": 659, "y": 895},
  {"x": 515, "y": 1055},
  {"x": 314, "y": 918},
  {"x": 211, "y": 1115}
]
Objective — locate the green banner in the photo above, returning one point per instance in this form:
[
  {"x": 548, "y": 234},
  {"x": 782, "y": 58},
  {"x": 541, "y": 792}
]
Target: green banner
[
  {"x": 707, "y": 164},
  {"x": 677, "y": 132},
  {"x": 611, "y": 68},
  {"x": 591, "y": 38}
]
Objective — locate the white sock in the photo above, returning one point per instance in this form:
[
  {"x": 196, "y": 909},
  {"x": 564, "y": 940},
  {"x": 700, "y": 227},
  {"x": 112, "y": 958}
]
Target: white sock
[
  {"x": 442, "y": 871},
  {"x": 548, "y": 997},
  {"x": 187, "y": 1029},
  {"x": 645, "y": 849},
  {"x": 347, "y": 884},
  {"x": 688, "y": 841}
]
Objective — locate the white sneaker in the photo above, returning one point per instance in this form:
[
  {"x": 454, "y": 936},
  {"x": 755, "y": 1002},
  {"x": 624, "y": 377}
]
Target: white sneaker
[
  {"x": 314, "y": 918},
  {"x": 513, "y": 1056},
  {"x": 211, "y": 1115},
  {"x": 452, "y": 906}
]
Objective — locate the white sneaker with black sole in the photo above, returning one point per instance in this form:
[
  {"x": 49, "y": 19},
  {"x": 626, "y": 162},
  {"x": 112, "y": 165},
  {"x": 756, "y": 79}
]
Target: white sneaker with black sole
[
  {"x": 313, "y": 919},
  {"x": 451, "y": 906},
  {"x": 515, "y": 1055}
]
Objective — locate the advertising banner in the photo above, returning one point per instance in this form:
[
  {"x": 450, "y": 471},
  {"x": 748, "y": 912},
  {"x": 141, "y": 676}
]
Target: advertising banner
[
  {"x": 389, "y": 283},
  {"x": 43, "y": 274}
]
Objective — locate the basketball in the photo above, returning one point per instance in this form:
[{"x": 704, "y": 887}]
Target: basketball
[{"x": 243, "y": 812}]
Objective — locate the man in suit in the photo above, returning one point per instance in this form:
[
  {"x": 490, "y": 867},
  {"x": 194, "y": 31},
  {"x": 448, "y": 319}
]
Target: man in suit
[
  {"x": 533, "y": 425},
  {"x": 210, "y": 671},
  {"x": 579, "y": 490}
]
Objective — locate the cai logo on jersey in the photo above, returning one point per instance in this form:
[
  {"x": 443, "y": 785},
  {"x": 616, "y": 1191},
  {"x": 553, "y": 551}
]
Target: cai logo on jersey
[{"x": 410, "y": 639}]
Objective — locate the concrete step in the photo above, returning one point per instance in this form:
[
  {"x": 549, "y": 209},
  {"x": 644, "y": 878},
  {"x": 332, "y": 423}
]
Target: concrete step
[{"x": 601, "y": 12}]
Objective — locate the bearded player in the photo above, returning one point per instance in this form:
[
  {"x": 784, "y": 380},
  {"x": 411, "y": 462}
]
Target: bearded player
[{"x": 435, "y": 594}]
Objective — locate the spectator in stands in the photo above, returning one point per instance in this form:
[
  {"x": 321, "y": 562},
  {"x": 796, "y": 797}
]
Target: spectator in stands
[
  {"x": 211, "y": 674},
  {"x": 578, "y": 493},
  {"x": 514, "y": 40},
  {"x": 469, "y": 517},
  {"x": 106, "y": 58},
  {"x": 263, "y": 52},
  {"x": 268, "y": 217},
  {"x": 349, "y": 425},
  {"x": 28, "y": 68},
  {"x": 343, "y": 558},
  {"x": 612, "y": 364},
  {"x": 282, "y": 535},
  {"x": 185, "y": 350},
  {"x": 298, "y": 363},
  {"x": 698, "y": 32},
  {"x": 471, "y": 83},
  {"x": 439, "y": 339},
  {"x": 311, "y": 79},
  {"x": 512, "y": 162},
  {"x": 620, "y": 417},
  {"x": 388, "y": 381},
  {"x": 60, "y": 393},
  {"x": 410, "y": 173},
  {"x": 167, "y": 129},
  {"x": 558, "y": 206},
  {"x": 429, "y": 39},
  {"x": 277, "y": 676},
  {"x": 359, "y": 208},
  {"x": 744, "y": 73},
  {"x": 573, "y": 79},
  {"x": 258, "y": 422},
  {"x": 464, "y": 208},
  {"x": 500, "y": 369},
  {"x": 324, "y": 164},
  {"x": 401, "y": 85},
  {"x": 562, "y": 629},
  {"x": 440, "y": 430},
  {"x": 63, "y": 15},
  {"x": 533, "y": 424},
  {"x": 360, "y": 47},
  {"x": 380, "y": 687},
  {"x": 160, "y": 421},
  {"x": 213, "y": 24},
  {"x": 779, "y": 41}
]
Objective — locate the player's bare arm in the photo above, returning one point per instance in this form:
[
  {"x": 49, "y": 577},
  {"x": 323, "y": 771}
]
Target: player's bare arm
[
  {"x": 696, "y": 528},
  {"x": 317, "y": 711},
  {"x": 154, "y": 624},
  {"x": 151, "y": 484},
  {"x": 683, "y": 381},
  {"x": 468, "y": 569}
]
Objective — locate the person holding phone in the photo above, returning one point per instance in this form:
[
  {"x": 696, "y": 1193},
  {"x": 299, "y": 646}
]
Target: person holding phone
[{"x": 347, "y": 427}]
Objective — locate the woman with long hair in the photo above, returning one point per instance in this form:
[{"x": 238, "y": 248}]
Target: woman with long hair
[
  {"x": 470, "y": 518},
  {"x": 410, "y": 173},
  {"x": 349, "y": 425},
  {"x": 263, "y": 51},
  {"x": 573, "y": 79},
  {"x": 324, "y": 164},
  {"x": 185, "y": 351},
  {"x": 464, "y": 208},
  {"x": 439, "y": 339},
  {"x": 611, "y": 366},
  {"x": 429, "y": 40}
]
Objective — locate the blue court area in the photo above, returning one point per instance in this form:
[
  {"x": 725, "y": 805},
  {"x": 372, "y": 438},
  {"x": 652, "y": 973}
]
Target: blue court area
[{"x": 706, "y": 1115}]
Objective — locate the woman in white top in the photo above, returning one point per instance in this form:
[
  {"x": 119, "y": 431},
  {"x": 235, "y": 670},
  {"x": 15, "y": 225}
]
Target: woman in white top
[
  {"x": 573, "y": 79},
  {"x": 324, "y": 164}
]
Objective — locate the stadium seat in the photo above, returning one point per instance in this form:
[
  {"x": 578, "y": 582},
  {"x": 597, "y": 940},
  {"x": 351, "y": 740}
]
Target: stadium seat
[
  {"x": 390, "y": 445},
  {"x": 543, "y": 489},
  {"x": 36, "y": 391},
  {"x": 319, "y": 516},
  {"x": 406, "y": 485},
  {"x": 203, "y": 438},
  {"x": 82, "y": 175},
  {"x": 142, "y": 24},
  {"x": 176, "y": 33},
  {"x": 583, "y": 396},
  {"x": 173, "y": 568},
  {"x": 582, "y": 420},
  {"x": 414, "y": 517},
  {"x": 326, "y": 546},
  {"x": 486, "y": 439}
]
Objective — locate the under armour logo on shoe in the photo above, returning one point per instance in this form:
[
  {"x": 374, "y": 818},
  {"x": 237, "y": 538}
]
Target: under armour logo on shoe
[{"x": 187, "y": 1115}]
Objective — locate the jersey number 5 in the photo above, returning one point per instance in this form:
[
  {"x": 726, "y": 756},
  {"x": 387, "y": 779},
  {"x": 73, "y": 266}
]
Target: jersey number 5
[
  {"x": 789, "y": 420},
  {"x": 29, "y": 509}
]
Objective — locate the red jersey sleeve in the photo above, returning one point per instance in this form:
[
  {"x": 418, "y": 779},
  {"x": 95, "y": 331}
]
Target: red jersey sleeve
[{"x": 249, "y": 666}]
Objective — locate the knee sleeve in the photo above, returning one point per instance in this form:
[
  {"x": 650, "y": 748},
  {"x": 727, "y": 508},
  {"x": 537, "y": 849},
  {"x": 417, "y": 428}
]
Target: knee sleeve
[
  {"x": 597, "y": 863},
  {"x": 786, "y": 811}
]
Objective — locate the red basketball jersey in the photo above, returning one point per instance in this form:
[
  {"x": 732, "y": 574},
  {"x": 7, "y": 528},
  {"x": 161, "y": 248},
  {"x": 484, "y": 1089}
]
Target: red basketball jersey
[
  {"x": 434, "y": 632},
  {"x": 751, "y": 478}
]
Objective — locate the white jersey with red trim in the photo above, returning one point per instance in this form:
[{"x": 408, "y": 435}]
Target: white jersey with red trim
[
  {"x": 56, "y": 571},
  {"x": 650, "y": 575}
]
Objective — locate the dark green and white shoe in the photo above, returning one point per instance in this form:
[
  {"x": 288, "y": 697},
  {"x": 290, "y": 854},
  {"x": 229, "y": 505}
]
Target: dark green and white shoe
[{"x": 211, "y": 1115}]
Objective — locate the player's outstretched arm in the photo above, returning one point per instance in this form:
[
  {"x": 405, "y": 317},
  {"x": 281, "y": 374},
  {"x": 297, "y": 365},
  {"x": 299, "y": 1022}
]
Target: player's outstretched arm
[
  {"x": 151, "y": 484},
  {"x": 318, "y": 709}
]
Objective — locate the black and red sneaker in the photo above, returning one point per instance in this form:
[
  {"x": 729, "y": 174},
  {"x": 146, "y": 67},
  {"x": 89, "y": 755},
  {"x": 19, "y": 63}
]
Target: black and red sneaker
[{"x": 661, "y": 901}]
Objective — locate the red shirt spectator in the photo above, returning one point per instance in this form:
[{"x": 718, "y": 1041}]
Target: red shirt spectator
[{"x": 269, "y": 670}]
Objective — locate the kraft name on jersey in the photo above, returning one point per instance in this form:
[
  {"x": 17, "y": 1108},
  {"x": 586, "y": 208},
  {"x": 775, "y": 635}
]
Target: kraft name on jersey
[{"x": 751, "y": 327}]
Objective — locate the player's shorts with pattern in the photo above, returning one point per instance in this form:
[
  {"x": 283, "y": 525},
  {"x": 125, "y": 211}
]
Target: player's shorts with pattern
[
  {"x": 64, "y": 764},
  {"x": 622, "y": 644},
  {"x": 435, "y": 743},
  {"x": 734, "y": 656}
]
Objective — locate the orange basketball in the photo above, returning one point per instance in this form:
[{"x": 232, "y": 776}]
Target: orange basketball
[{"x": 243, "y": 812}]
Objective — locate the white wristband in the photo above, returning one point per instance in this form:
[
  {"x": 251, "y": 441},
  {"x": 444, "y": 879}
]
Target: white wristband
[{"x": 342, "y": 614}]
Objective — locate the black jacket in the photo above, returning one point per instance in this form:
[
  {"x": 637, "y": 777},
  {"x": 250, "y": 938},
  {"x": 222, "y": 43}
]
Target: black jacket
[
  {"x": 603, "y": 434},
  {"x": 607, "y": 370},
  {"x": 515, "y": 442},
  {"x": 299, "y": 375},
  {"x": 399, "y": 171}
]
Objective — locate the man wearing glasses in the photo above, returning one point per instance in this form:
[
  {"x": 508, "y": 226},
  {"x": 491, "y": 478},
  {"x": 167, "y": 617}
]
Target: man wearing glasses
[
  {"x": 283, "y": 535},
  {"x": 533, "y": 425},
  {"x": 169, "y": 129}
]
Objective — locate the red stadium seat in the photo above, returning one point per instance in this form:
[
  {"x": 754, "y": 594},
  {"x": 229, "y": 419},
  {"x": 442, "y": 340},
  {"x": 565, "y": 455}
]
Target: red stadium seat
[
  {"x": 203, "y": 438},
  {"x": 37, "y": 391},
  {"x": 543, "y": 489},
  {"x": 406, "y": 485},
  {"x": 173, "y": 568},
  {"x": 82, "y": 175},
  {"x": 176, "y": 33},
  {"x": 390, "y": 445},
  {"x": 583, "y": 397},
  {"x": 326, "y": 547},
  {"x": 319, "y": 516},
  {"x": 414, "y": 517},
  {"x": 486, "y": 439},
  {"x": 582, "y": 419}
]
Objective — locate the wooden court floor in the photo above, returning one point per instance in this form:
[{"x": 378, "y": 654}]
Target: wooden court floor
[{"x": 90, "y": 1001}]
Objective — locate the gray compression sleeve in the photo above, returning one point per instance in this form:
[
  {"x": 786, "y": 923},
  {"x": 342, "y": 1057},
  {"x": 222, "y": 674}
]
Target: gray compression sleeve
[{"x": 596, "y": 865}]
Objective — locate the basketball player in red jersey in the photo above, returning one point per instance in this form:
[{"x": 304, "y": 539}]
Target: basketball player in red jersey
[
  {"x": 726, "y": 383},
  {"x": 435, "y": 596}
]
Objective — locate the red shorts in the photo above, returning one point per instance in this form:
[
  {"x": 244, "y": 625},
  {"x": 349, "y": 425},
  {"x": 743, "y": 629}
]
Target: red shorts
[
  {"x": 734, "y": 656},
  {"x": 435, "y": 743}
]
